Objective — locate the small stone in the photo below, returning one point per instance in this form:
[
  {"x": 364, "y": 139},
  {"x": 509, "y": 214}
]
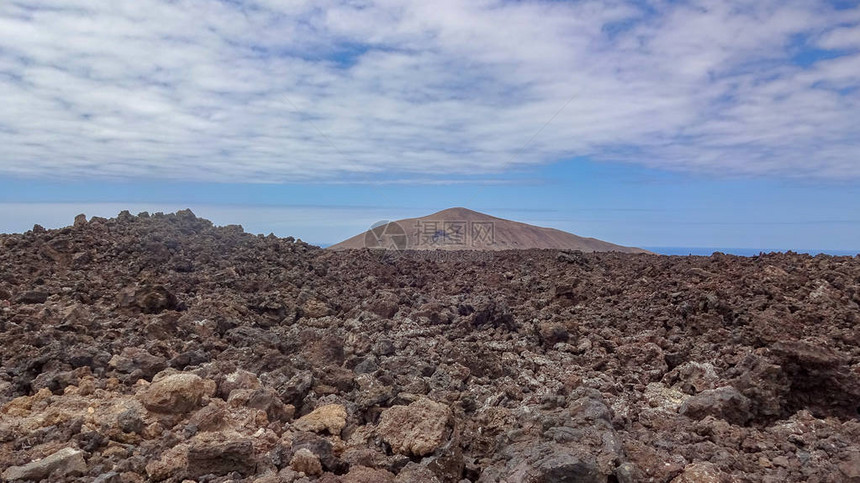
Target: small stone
[
  {"x": 130, "y": 421},
  {"x": 306, "y": 462},
  {"x": 80, "y": 220},
  {"x": 65, "y": 462},
  {"x": 384, "y": 347}
]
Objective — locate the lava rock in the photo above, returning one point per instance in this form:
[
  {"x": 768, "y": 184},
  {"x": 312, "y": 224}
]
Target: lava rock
[
  {"x": 330, "y": 418},
  {"x": 306, "y": 462},
  {"x": 699, "y": 473},
  {"x": 32, "y": 297},
  {"x": 65, "y": 462},
  {"x": 221, "y": 457},
  {"x": 418, "y": 429},
  {"x": 363, "y": 474},
  {"x": 724, "y": 402},
  {"x": 176, "y": 393}
]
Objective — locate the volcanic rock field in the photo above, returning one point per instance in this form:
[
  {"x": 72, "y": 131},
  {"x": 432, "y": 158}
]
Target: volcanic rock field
[{"x": 163, "y": 348}]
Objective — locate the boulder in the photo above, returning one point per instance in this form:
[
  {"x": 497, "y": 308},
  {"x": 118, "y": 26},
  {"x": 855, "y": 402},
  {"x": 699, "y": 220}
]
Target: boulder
[
  {"x": 550, "y": 462},
  {"x": 176, "y": 393},
  {"x": 65, "y": 462},
  {"x": 133, "y": 359},
  {"x": 32, "y": 297},
  {"x": 724, "y": 402},
  {"x": 331, "y": 418},
  {"x": 418, "y": 429},
  {"x": 221, "y": 457}
]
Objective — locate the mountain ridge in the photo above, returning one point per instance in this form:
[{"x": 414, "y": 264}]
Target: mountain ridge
[{"x": 460, "y": 228}]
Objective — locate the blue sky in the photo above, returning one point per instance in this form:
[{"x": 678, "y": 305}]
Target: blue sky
[{"x": 650, "y": 123}]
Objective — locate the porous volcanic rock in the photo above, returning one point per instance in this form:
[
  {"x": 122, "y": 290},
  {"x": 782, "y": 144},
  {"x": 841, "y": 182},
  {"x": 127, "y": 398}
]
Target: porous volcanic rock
[
  {"x": 331, "y": 418},
  {"x": 418, "y": 429},
  {"x": 176, "y": 393}
]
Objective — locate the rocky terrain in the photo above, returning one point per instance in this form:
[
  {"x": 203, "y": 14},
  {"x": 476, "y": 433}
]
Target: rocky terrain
[{"x": 159, "y": 347}]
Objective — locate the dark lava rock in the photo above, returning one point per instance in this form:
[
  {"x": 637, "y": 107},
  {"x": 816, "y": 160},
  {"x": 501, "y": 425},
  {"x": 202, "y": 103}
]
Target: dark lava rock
[
  {"x": 549, "y": 462},
  {"x": 221, "y": 457},
  {"x": 723, "y": 402},
  {"x": 32, "y": 297},
  {"x": 152, "y": 299},
  {"x": 130, "y": 421}
]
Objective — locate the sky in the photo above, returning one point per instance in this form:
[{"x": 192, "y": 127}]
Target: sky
[{"x": 648, "y": 123}]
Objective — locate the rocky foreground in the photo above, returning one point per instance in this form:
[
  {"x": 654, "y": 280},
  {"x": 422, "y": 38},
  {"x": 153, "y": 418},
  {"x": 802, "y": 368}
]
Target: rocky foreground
[{"x": 148, "y": 348}]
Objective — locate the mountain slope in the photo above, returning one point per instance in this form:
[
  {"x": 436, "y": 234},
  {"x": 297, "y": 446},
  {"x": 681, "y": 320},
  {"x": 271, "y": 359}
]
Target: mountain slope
[{"x": 464, "y": 229}]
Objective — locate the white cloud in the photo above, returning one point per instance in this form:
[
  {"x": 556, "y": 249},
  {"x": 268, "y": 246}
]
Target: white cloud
[
  {"x": 289, "y": 91},
  {"x": 841, "y": 38}
]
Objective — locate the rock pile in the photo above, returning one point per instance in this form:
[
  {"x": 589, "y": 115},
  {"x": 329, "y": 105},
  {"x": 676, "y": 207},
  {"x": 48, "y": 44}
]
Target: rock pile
[{"x": 163, "y": 348}]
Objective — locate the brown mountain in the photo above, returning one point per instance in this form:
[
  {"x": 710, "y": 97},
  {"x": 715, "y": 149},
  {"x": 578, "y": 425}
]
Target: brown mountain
[{"x": 464, "y": 229}]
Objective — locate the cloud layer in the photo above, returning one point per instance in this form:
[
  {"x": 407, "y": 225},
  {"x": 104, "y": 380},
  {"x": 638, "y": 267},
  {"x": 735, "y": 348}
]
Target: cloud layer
[{"x": 273, "y": 91}]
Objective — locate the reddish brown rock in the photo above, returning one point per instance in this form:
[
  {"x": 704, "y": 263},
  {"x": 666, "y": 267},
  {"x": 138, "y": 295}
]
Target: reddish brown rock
[
  {"x": 418, "y": 429},
  {"x": 176, "y": 393}
]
